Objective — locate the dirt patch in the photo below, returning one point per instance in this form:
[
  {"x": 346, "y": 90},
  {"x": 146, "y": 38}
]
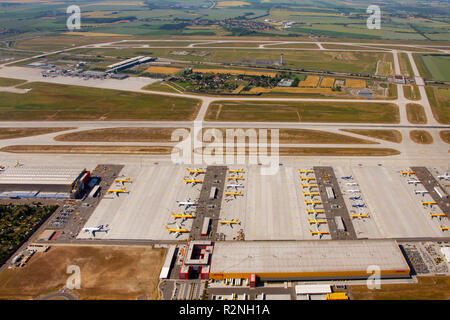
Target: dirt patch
[
  {"x": 421, "y": 137},
  {"x": 87, "y": 149},
  {"x": 120, "y": 135},
  {"x": 416, "y": 113},
  {"x": 13, "y": 133},
  {"x": 388, "y": 135},
  {"x": 106, "y": 273}
]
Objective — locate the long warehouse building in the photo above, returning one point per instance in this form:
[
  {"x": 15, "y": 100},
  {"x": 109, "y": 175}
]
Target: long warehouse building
[
  {"x": 43, "y": 182},
  {"x": 307, "y": 260}
]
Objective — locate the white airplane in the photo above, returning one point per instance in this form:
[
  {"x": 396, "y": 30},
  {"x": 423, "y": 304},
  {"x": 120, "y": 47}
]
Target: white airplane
[
  {"x": 347, "y": 177},
  {"x": 353, "y": 191},
  {"x": 445, "y": 176},
  {"x": 100, "y": 228},
  {"x": 235, "y": 185},
  {"x": 2, "y": 168},
  {"x": 422, "y": 192},
  {"x": 351, "y": 184},
  {"x": 187, "y": 204},
  {"x": 415, "y": 182}
]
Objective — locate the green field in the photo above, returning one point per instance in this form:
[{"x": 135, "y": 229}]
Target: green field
[
  {"x": 440, "y": 103},
  {"x": 438, "y": 66},
  {"x": 60, "y": 102},
  {"x": 7, "y": 82},
  {"x": 303, "y": 112}
]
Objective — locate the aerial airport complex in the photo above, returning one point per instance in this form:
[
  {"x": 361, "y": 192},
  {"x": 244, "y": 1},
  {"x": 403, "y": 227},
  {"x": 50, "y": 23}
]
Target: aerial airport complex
[{"x": 358, "y": 184}]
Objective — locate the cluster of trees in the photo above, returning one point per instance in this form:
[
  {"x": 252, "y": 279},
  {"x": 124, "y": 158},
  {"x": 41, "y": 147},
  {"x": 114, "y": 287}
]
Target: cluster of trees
[{"x": 16, "y": 223}]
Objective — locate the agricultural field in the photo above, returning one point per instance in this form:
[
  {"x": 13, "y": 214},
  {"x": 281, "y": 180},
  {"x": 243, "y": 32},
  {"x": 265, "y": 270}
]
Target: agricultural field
[
  {"x": 309, "y": 82},
  {"x": 60, "y": 102},
  {"x": 236, "y": 72},
  {"x": 162, "y": 70},
  {"x": 438, "y": 66},
  {"x": 355, "y": 83},
  {"x": 327, "y": 83},
  {"x": 303, "y": 112},
  {"x": 105, "y": 271}
]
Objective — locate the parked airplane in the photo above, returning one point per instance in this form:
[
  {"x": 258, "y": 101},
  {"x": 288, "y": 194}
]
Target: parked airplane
[
  {"x": 2, "y": 168},
  {"x": 445, "y": 176},
  {"x": 316, "y": 221},
  {"x": 182, "y": 216},
  {"x": 187, "y": 204},
  {"x": 353, "y": 191},
  {"x": 438, "y": 215},
  {"x": 351, "y": 184},
  {"x": 195, "y": 171},
  {"x": 178, "y": 231},
  {"x": 194, "y": 182},
  {"x": 347, "y": 177},
  {"x": 307, "y": 178},
  {"x": 305, "y": 171},
  {"x": 100, "y": 228},
  {"x": 311, "y": 194},
  {"x": 358, "y": 205},
  {"x": 319, "y": 233},
  {"x": 355, "y": 198},
  {"x": 312, "y": 202},
  {"x": 309, "y": 185},
  {"x": 415, "y": 182},
  {"x": 117, "y": 191},
  {"x": 235, "y": 185},
  {"x": 314, "y": 211},
  {"x": 233, "y": 194},
  {"x": 426, "y": 203},
  {"x": 122, "y": 181},
  {"x": 235, "y": 178},
  {"x": 422, "y": 192},
  {"x": 236, "y": 171},
  {"x": 407, "y": 172},
  {"x": 230, "y": 222},
  {"x": 445, "y": 228},
  {"x": 360, "y": 215}
]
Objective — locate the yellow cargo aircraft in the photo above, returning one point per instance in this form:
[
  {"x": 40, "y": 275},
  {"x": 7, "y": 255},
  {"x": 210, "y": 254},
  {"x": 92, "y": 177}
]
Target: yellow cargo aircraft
[
  {"x": 313, "y": 202},
  {"x": 319, "y": 233},
  {"x": 317, "y": 221},
  {"x": 123, "y": 180},
  {"x": 194, "y": 182},
  {"x": 314, "y": 211},
  {"x": 236, "y": 171},
  {"x": 445, "y": 228},
  {"x": 437, "y": 215},
  {"x": 230, "y": 222},
  {"x": 236, "y": 178},
  {"x": 426, "y": 203},
  {"x": 307, "y": 178},
  {"x": 305, "y": 171},
  {"x": 195, "y": 171},
  {"x": 309, "y": 185},
  {"x": 311, "y": 193},
  {"x": 178, "y": 231},
  {"x": 407, "y": 172},
  {"x": 360, "y": 215},
  {"x": 117, "y": 191},
  {"x": 233, "y": 194}
]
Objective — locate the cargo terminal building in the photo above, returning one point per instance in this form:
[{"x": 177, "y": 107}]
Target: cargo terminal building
[
  {"x": 307, "y": 260},
  {"x": 43, "y": 182}
]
